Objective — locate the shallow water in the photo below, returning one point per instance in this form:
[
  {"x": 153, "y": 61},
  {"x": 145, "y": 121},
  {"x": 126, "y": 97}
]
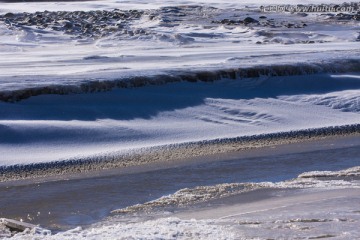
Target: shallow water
[{"x": 65, "y": 204}]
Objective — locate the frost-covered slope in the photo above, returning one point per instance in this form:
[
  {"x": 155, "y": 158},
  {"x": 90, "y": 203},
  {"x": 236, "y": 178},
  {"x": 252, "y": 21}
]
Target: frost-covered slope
[{"x": 83, "y": 125}]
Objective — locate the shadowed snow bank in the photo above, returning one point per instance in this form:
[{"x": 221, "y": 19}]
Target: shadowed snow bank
[{"x": 99, "y": 85}]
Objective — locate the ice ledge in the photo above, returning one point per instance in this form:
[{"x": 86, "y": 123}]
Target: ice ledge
[{"x": 170, "y": 76}]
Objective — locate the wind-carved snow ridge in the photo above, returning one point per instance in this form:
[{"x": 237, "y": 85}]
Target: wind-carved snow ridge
[
  {"x": 347, "y": 101},
  {"x": 99, "y": 85}
]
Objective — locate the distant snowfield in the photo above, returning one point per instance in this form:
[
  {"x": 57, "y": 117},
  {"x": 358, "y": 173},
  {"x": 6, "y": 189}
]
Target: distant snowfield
[
  {"x": 141, "y": 4},
  {"x": 50, "y": 128},
  {"x": 162, "y": 40}
]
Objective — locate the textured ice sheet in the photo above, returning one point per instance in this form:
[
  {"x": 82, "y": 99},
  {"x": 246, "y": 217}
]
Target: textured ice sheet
[
  {"x": 322, "y": 209},
  {"x": 308, "y": 180}
]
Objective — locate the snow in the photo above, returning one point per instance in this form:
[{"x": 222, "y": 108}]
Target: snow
[
  {"x": 88, "y": 124},
  {"x": 57, "y": 128},
  {"x": 141, "y": 4},
  {"x": 167, "y": 228},
  {"x": 36, "y": 57},
  {"x": 48, "y": 128}
]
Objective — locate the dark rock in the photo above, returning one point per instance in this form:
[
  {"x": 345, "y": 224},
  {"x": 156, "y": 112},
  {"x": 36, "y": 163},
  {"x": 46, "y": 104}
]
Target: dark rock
[
  {"x": 290, "y": 25},
  {"x": 68, "y": 24},
  {"x": 9, "y": 15},
  {"x": 56, "y": 28},
  {"x": 152, "y": 17},
  {"x": 232, "y": 22},
  {"x": 262, "y": 17},
  {"x": 343, "y": 16},
  {"x": 327, "y": 14},
  {"x": 302, "y": 14},
  {"x": 8, "y": 22},
  {"x": 250, "y": 20},
  {"x": 29, "y": 20},
  {"x": 88, "y": 26}
]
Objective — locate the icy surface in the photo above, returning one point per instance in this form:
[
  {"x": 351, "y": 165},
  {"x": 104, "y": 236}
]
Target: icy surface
[
  {"x": 323, "y": 208},
  {"x": 309, "y": 180}
]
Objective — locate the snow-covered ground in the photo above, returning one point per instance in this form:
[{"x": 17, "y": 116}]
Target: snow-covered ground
[
  {"x": 84, "y": 125},
  {"x": 159, "y": 41},
  {"x": 89, "y": 51},
  {"x": 142, "y": 4},
  {"x": 174, "y": 72}
]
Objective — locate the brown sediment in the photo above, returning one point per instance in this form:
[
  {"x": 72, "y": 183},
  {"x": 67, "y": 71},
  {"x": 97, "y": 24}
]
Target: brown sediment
[{"x": 170, "y": 153}]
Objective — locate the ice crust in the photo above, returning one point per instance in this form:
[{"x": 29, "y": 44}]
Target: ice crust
[
  {"x": 199, "y": 194},
  {"x": 316, "y": 214}
]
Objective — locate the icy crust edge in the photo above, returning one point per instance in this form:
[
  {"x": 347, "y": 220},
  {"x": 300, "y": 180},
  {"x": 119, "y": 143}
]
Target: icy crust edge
[
  {"x": 188, "y": 196},
  {"x": 171, "y": 76},
  {"x": 350, "y": 172},
  {"x": 169, "y": 152}
]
